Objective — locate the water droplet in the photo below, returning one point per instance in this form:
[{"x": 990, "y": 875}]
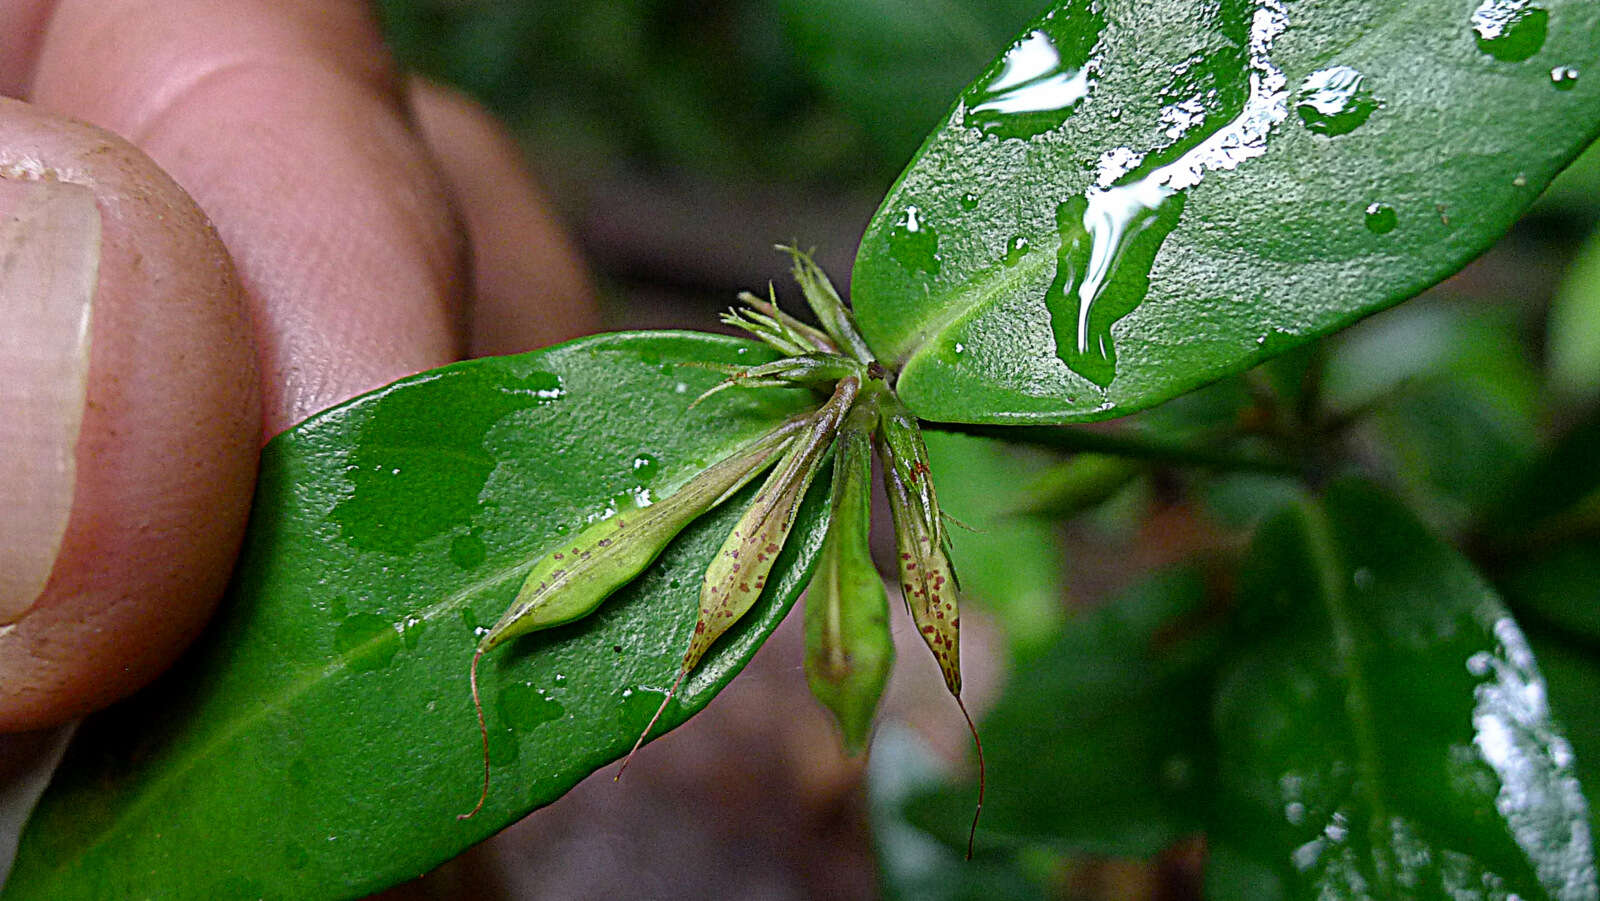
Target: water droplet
[
  {"x": 969, "y": 201},
  {"x": 1110, "y": 235},
  {"x": 366, "y": 641},
  {"x": 1334, "y": 101},
  {"x": 959, "y": 348},
  {"x": 1109, "y": 241},
  {"x": 420, "y": 461},
  {"x": 1519, "y": 181},
  {"x": 411, "y": 631},
  {"x": 645, "y": 467},
  {"x": 467, "y": 551},
  {"x": 561, "y": 528},
  {"x": 1016, "y": 249},
  {"x": 1040, "y": 84},
  {"x": 680, "y": 388},
  {"x": 1564, "y": 78},
  {"x": 1510, "y": 30},
  {"x": 913, "y": 243},
  {"x": 1362, "y": 578},
  {"x": 1381, "y": 218},
  {"x": 524, "y": 708}
]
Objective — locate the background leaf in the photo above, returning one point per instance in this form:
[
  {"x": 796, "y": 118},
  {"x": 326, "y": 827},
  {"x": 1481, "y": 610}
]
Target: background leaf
[
  {"x": 321, "y": 740},
  {"x": 1388, "y": 734},
  {"x": 1098, "y": 749},
  {"x": 1322, "y": 161}
]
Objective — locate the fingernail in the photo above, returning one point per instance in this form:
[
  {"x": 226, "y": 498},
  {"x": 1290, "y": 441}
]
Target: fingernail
[{"x": 49, "y": 266}]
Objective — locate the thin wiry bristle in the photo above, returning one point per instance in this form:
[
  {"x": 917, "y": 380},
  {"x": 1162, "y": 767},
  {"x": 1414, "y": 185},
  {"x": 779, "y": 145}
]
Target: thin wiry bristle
[
  {"x": 651, "y": 725},
  {"x": 483, "y": 730}
]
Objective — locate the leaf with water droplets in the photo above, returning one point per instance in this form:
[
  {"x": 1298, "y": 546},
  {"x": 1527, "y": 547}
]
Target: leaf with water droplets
[
  {"x": 325, "y": 718},
  {"x": 1133, "y": 194},
  {"x": 1385, "y": 732}
]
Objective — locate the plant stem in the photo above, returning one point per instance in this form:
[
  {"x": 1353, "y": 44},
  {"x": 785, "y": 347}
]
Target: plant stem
[{"x": 1137, "y": 447}]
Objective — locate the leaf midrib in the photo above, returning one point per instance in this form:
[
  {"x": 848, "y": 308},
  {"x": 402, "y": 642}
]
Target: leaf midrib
[{"x": 1329, "y": 571}]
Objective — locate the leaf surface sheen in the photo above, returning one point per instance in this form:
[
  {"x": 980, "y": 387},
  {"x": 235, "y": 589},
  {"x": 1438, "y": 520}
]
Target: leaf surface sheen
[
  {"x": 1388, "y": 733},
  {"x": 1140, "y": 197},
  {"x": 321, "y": 739}
]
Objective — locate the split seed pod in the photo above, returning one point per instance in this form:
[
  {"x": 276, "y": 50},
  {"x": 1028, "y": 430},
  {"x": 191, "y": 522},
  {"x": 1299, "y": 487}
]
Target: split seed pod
[{"x": 848, "y": 647}]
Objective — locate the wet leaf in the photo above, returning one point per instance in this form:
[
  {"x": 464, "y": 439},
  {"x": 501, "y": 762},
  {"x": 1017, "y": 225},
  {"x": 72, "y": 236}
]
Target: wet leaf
[
  {"x": 1140, "y": 197},
  {"x": 1388, "y": 734},
  {"x": 321, "y": 740}
]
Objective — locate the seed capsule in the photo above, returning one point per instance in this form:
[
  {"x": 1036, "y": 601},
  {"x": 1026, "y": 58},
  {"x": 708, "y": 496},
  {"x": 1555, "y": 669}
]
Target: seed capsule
[
  {"x": 738, "y": 573},
  {"x": 921, "y": 549},
  {"x": 848, "y": 648},
  {"x": 571, "y": 581}
]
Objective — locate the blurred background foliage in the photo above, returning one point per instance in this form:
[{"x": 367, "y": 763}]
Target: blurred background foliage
[{"x": 681, "y": 138}]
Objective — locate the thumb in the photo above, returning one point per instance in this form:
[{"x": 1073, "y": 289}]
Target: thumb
[{"x": 129, "y": 412}]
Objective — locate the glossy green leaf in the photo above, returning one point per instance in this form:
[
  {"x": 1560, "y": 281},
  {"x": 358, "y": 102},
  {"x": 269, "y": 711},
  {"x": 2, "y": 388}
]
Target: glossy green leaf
[
  {"x": 321, "y": 739},
  {"x": 1144, "y": 195},
  {"x": 1388, "y": 734}
]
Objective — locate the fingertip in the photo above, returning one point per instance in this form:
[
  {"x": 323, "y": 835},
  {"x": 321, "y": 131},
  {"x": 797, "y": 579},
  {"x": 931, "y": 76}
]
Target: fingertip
[{"x": 165, "y": 450}]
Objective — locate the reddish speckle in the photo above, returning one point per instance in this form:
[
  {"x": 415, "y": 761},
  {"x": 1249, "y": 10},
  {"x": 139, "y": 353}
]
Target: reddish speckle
[
  {"x": 744, "y": 586},
  {"x": 910, "y": 567},
  {"x": 772, "y": 548},
  {"x": 699, "y": 628},
  {"x": 560, "y": 556},
  {"x": 604, "y": 542},
  {"x": 927, "y": 630}
]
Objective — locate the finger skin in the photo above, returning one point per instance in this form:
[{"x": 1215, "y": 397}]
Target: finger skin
[
  {"x": 285, "y": 120},
  {"x": 530, "y": 288},
  {"x": 167, "y": 451}
]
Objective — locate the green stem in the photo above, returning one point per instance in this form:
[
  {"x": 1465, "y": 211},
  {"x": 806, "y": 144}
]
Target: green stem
[{"x": 1138, "y": 447}]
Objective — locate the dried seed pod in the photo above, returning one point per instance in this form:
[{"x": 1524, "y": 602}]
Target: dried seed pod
[
  {"x": 738, "y": 573},
  {"x": 848, "y": 648},
  {"x": 921, "y": 545}
]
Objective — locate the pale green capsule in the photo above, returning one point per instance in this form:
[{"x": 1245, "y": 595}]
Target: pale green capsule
[
  {"x": 572, "y": 580},
  {"x": 738, "y": 573},
  {"x": 849, "y": 651}
]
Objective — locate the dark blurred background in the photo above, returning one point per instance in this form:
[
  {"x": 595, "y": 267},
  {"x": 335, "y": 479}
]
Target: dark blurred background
[{"x": 681, "y": 139}]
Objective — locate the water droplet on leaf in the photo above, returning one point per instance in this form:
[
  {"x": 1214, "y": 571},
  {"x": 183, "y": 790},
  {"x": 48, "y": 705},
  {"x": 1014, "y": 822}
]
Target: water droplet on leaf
[
  {"x": 1564, "y": 78},
  {"x": 913, "y": 243},
  {"x": 1510, "y": 30},
  {"x": 1381, "y": 218},
  {"x": 1334, "y": 101}
]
